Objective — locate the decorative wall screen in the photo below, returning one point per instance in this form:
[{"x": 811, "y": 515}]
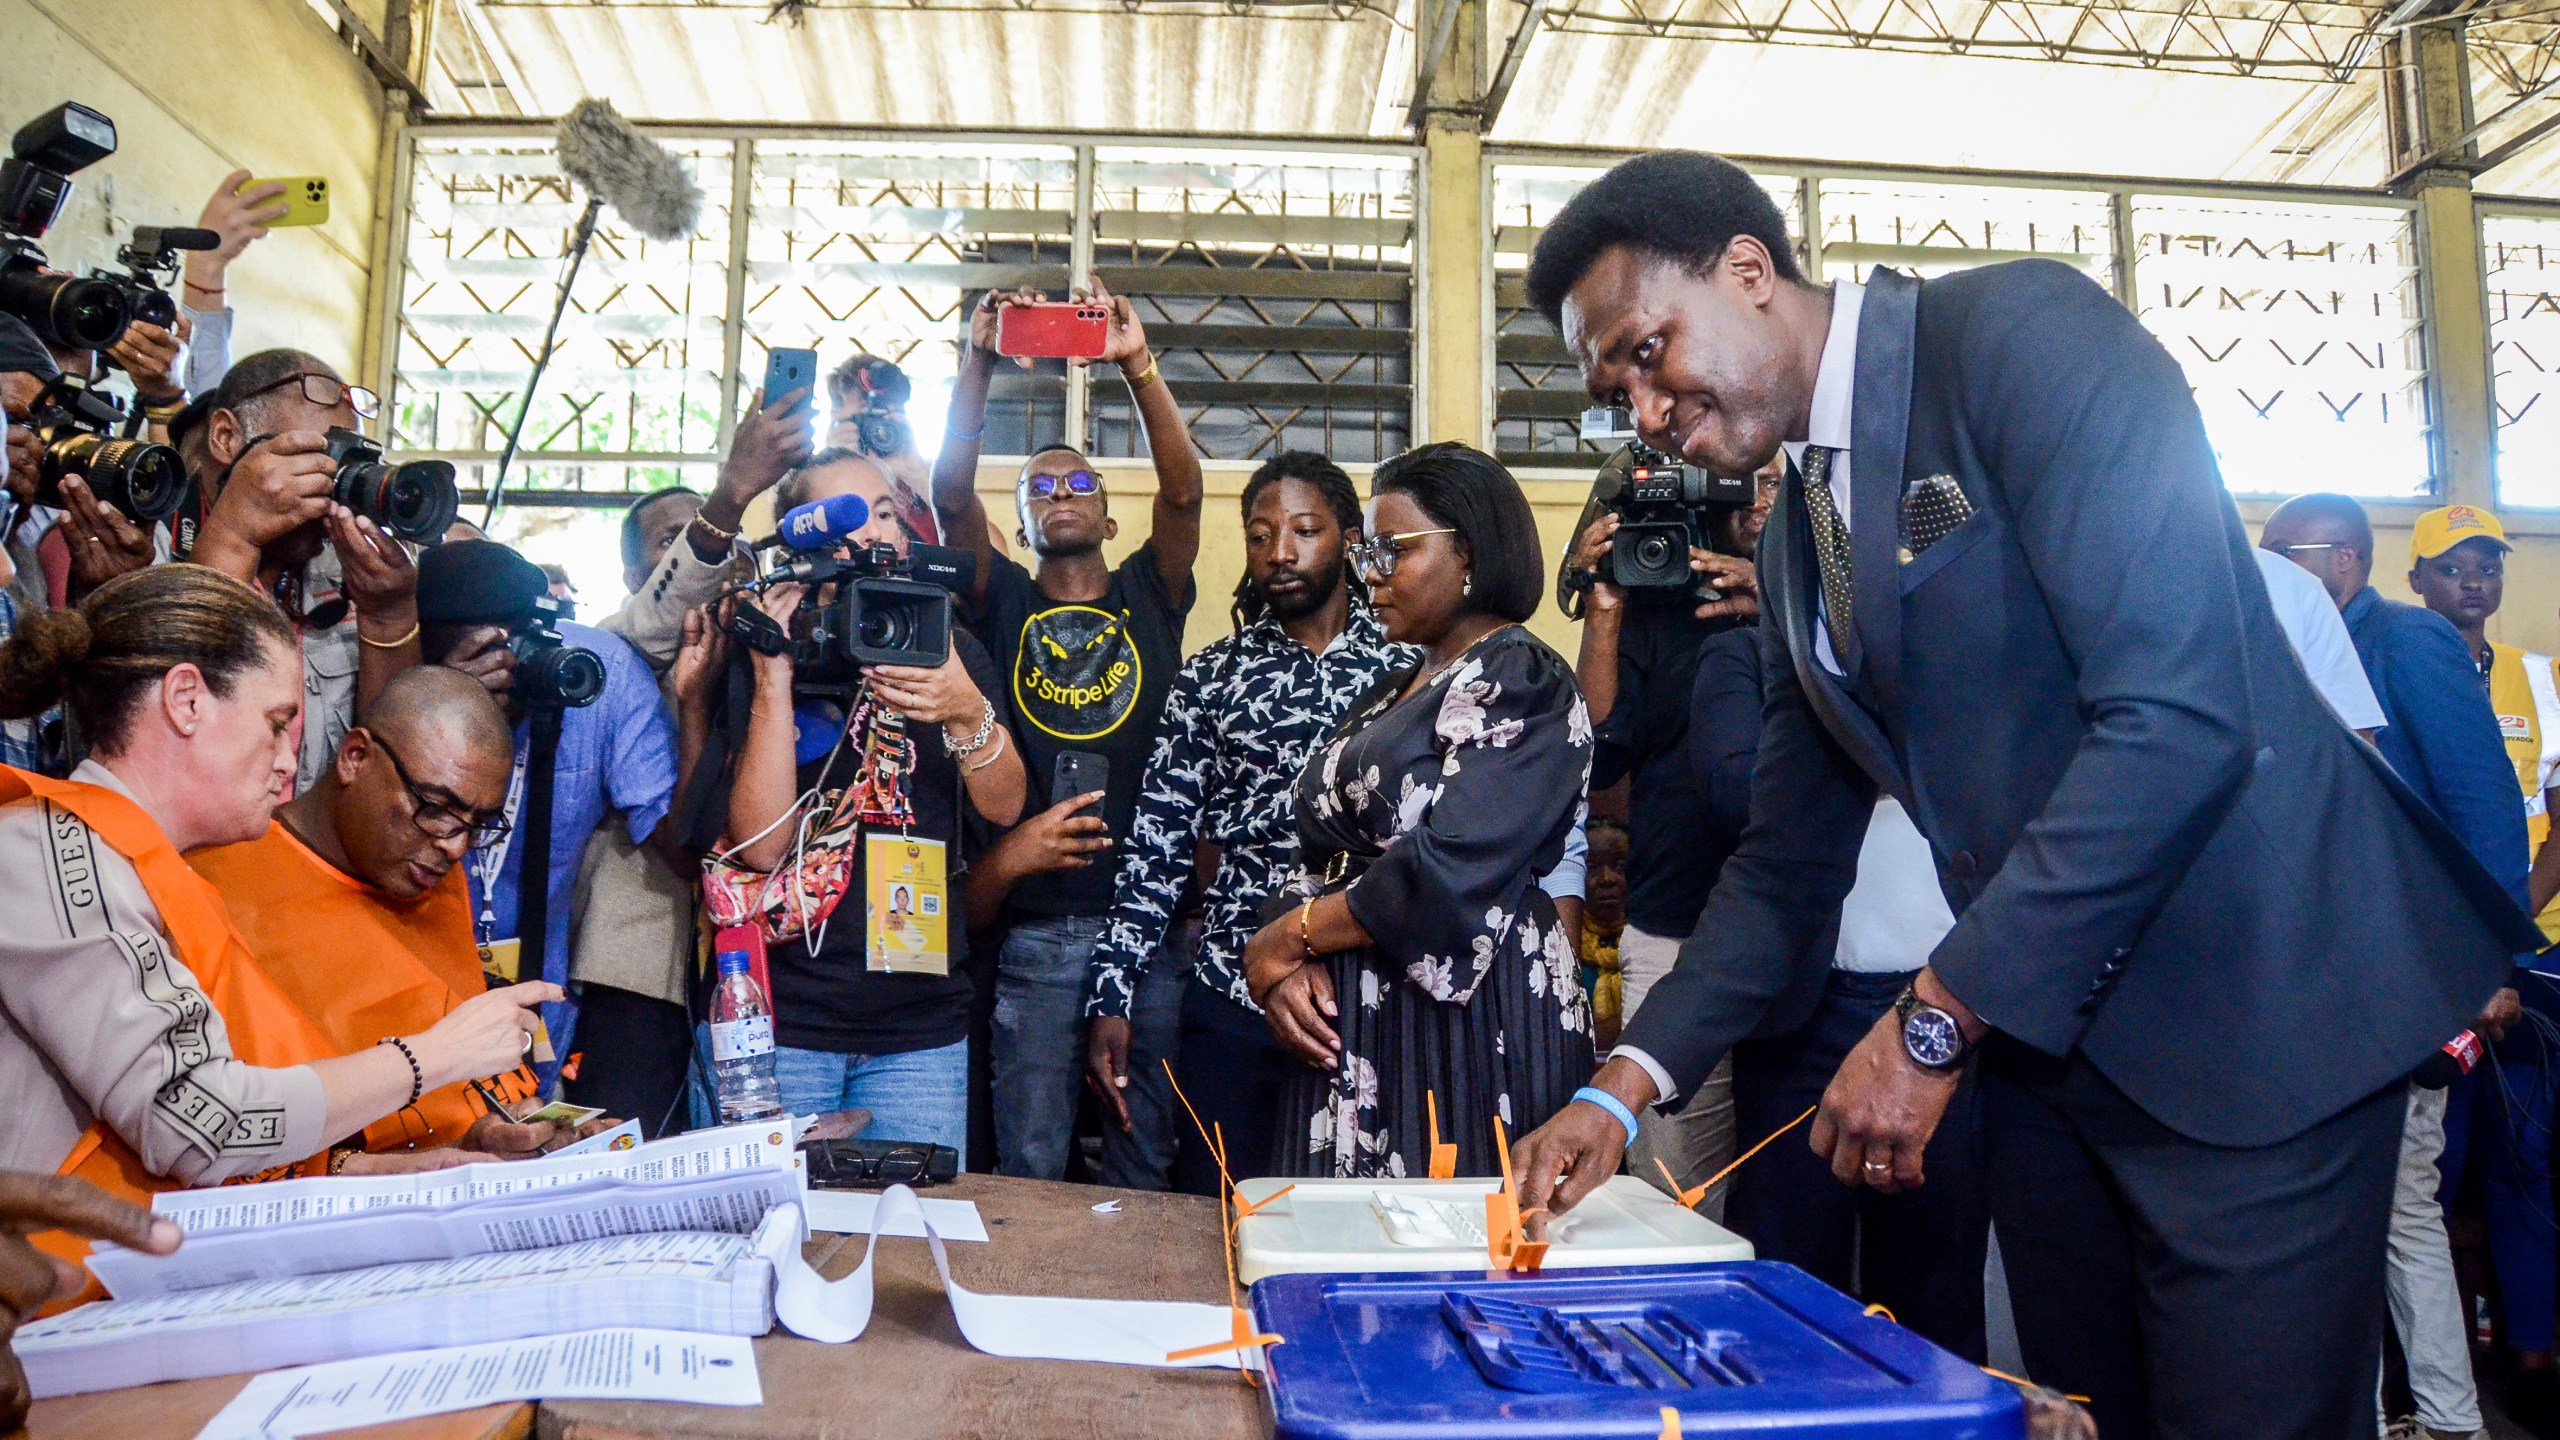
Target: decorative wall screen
[{"x": 2522, "y": 254}]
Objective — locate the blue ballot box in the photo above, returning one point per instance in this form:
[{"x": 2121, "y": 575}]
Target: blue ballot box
[{"x": 1748, "y": 1347}]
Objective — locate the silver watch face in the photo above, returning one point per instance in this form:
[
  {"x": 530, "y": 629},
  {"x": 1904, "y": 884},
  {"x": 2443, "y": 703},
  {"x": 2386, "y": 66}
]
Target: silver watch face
[{"x": 1931, "y": 1038}]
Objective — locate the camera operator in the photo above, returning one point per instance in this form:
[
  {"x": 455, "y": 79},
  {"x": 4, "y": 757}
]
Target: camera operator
[
  {"x": 268, "y": 520},
  {"x": 616, "y": 754},
  {"x": 1635, "y": 667},
  {"x": 25, "y": 369},
  {"x": 631, "y": 953},
  {"x": 239, "y": 216},
  {"x": 870, "y": 419},
  {"x": 1089, "y": 653},
  {"x": 817, "y": 775}
]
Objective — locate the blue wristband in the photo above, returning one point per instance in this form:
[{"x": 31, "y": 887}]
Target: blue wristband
[{"x": 1613, "y": 1105}]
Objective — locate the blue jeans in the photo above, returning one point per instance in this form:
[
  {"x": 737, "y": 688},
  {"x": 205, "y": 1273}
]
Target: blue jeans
[
  {"x": 920, "y": 1096},
  {"x": 1039, "y": 1038}
]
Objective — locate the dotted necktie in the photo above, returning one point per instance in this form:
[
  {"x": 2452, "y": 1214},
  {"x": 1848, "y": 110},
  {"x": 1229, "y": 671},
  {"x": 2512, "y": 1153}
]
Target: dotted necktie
[{"x": 1830, "y": 552}]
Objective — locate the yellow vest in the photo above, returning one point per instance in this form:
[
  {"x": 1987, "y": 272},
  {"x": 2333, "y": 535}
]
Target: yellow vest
[{"x": 2524, "y": 693}]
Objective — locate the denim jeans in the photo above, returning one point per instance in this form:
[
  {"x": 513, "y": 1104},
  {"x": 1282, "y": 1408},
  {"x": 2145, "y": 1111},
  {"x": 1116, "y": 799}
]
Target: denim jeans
[
  {"x": 1039, "y": 1037},
  {"x": 921, "y": 1096}
]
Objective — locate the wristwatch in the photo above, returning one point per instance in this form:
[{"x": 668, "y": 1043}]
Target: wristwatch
[{"x": 1930, "y": 1036}]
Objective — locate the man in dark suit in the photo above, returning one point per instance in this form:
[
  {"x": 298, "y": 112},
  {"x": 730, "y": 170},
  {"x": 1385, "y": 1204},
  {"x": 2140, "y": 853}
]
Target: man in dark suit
[{"x": 2202, "y": 935}]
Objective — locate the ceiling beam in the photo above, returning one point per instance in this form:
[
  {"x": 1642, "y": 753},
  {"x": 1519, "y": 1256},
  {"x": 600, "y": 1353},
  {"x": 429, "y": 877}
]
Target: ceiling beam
[{"x": 1512, "y": 55}]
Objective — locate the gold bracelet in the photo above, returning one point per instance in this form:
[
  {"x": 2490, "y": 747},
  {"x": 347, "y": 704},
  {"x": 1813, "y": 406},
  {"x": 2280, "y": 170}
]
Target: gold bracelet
[
  {"x": 364, "y": 639},
  {"x": 1147, "y": 376},
  {"x": 714, "y": 531},
  {"x": 1306, "y": 942}
]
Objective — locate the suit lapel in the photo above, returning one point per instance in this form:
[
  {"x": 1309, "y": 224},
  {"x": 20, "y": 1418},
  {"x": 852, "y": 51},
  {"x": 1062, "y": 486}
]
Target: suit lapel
[
  {"x": 1879, "y": 423},
  {"x": 1789, "y": 585}
]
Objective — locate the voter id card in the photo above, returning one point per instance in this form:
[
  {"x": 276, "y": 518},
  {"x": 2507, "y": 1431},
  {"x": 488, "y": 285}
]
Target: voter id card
[{"x": 907, "y": 929}]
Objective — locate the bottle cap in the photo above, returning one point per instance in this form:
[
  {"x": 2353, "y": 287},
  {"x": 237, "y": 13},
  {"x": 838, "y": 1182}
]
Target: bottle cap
[{"x": 735, "y": 962}]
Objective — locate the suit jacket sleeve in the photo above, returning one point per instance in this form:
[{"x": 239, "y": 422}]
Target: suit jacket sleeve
[
  {"x": 2097, "y": 454},
  {"x": 1776, "y": 904},
  {"x": 2455, "y": 733}
]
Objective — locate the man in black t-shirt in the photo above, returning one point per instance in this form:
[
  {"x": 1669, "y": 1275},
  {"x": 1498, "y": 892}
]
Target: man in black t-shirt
[{"x": 1086, "y": 654}]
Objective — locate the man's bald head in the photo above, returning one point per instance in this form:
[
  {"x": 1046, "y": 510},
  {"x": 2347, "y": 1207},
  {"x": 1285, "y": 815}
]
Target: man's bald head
[
  {"x": 2328, "y": 535},
  {"x": 427, "y": 763}
]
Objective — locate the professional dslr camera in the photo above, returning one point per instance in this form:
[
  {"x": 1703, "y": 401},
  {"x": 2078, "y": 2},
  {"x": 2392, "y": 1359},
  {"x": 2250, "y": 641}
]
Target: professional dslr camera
[
  {"x": 551, "y": 674},
  {"x": 415, "y": 501},
  {"x": 1664, "y": 507},
  {"x": 74, "y": 423},
  {"x": 882, "y": 384},
  {"x": 35, "y": 185},
  {"x": 881, "y": 611},
  {"x": 150, "y": 262}
]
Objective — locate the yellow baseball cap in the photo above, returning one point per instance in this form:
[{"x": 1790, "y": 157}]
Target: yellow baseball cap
[{"x": 2441, "y": 529}]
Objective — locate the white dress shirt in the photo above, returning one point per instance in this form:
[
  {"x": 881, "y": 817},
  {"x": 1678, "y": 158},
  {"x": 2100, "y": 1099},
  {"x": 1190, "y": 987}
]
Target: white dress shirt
[
  {"x": 2320, "y": 640},
  {"x": 1835, "y": 385}
]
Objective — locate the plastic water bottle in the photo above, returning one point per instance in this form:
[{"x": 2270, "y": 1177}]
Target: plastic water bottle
[{"x": 742, "y": 1044}]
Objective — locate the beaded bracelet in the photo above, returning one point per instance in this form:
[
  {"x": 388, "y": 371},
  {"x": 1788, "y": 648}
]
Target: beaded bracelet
[{"x": 417, "y": 1076}]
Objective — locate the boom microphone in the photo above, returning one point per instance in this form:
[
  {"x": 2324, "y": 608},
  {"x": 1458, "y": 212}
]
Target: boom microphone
[
  {"x": 822, "y": 524},
  {"x": 641, "y": 179}
]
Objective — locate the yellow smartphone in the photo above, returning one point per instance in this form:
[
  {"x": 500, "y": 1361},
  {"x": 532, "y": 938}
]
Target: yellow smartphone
[{"x": 306, "y": 198}]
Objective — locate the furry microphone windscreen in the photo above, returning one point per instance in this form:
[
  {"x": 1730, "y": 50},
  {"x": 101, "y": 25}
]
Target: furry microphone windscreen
[{"x": 641, "y": 179}]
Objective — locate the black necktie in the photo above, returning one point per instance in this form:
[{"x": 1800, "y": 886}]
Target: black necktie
[{"x": 1830, "y": 554}]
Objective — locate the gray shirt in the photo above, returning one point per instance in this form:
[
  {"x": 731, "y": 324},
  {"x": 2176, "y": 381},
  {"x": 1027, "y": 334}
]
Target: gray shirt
[{"x": 101, "y": 1019}]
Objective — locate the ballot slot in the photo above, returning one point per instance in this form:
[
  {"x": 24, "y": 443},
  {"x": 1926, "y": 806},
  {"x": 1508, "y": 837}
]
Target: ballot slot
[{"x": 1397, "y": 1225}]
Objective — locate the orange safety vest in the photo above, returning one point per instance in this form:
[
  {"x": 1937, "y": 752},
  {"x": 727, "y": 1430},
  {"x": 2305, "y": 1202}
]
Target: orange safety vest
[{"x": 265, "y": 1028}]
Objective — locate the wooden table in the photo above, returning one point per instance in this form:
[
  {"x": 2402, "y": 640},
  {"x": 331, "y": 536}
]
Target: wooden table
[{"x": 911, "y": 1376}]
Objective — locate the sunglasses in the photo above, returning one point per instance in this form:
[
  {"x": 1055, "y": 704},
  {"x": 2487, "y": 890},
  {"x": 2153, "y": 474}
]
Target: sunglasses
[
  {"x": 439, "y": 818},
  {"x": 325, "y": 392},
  {"x": 1375, "y": 557},
  {"x": 1074, "y": 482}
]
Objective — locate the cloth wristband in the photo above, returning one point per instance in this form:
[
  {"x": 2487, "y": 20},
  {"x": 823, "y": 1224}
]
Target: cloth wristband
[{"x": 1616, "y": 1108}]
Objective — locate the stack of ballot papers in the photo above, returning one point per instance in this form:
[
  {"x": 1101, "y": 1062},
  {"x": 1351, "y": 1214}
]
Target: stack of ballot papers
[{"x": 682, "y": 1234}]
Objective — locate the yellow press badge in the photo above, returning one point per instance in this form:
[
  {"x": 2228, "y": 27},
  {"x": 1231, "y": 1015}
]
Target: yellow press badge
[
  {"x": 907, "y": 924},
  {"x": 502, "y": 963}
]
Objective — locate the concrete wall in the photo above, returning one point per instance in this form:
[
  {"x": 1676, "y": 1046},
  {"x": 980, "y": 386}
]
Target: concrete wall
[{"x": 199, "y": 88}]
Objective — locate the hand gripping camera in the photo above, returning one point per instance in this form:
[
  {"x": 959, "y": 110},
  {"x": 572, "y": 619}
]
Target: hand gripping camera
[
  {"x": 552, "y": 674},
  {"x": 75, "y": 423},
  {"x": 415, "y": 501},
  {"x": 35, "y": 185},
  {"x": 866, "y": 608},
  {"x": 1664, "y": 507}
]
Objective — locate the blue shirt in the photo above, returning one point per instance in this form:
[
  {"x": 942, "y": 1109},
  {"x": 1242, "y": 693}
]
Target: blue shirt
[
  {"x": 2439, "y": 732},
  {"x": 617, "y": 754}
]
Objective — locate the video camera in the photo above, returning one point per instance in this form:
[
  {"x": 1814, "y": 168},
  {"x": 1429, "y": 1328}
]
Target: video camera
[
  {"x": 150, "y": 261},
  {"x": 882, "y": 383},
  {"x": 1664, "y": 505},
  {"x": 74, "y": 423},
  {"x": 551, "y": 674},
  {"x": 35, "y": 185},
  {"x": 415, "y": 501},
  {"x": 882, "y": 610}
]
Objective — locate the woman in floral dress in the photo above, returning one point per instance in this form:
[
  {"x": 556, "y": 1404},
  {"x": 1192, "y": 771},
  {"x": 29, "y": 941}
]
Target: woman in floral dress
[{"x": 1416, "y": 954}]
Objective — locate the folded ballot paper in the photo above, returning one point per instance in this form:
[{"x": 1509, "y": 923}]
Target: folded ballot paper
[{"x": 680, "y": 1234}]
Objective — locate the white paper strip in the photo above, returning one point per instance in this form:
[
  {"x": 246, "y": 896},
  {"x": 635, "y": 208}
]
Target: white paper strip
[{"x": 850, "y": 1212}]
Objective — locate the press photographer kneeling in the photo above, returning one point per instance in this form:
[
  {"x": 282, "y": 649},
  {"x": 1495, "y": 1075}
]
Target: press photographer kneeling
[
  {"x": 1661, "y": 566},
  {"x": 871, "y": 1001}
]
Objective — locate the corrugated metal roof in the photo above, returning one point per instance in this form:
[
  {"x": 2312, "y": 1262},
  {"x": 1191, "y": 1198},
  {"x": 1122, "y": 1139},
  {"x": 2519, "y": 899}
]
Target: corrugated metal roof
[{"x": 1603, "y": 73}]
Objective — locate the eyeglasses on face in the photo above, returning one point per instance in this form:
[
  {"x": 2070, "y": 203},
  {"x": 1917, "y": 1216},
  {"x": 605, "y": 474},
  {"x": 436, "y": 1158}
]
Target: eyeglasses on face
[
  {"x": 2289, "y": 551},
  {"x": 1074, "y": 482},
  {"x": 326, "y": 391},
  {"x": 439, "y": 817},
  {"x": 1375, "y": 557}
]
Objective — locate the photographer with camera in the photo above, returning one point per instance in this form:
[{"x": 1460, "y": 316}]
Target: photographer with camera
[
  {"x": 586, "y": 695},
  {"x": 297, "y": 505},
  {"x": 870, "y": 419},
  {"x": 1640, "y": 646},
  {"x": 1089, "y": 653},
  {"x": 845, "y": 769}
]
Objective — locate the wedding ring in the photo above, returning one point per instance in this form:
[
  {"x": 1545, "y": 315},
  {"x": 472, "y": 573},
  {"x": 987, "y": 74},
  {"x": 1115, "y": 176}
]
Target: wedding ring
[
  {"x": 528, "y": 1044},
  {"x": 1879, "y": 1165}
]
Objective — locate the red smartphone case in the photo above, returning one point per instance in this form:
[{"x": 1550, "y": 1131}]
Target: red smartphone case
[{"x": 1054, "y": 331}]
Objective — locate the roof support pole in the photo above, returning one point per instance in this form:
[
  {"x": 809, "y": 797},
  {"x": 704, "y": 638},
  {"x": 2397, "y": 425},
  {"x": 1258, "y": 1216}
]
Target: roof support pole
[
  {"x": 1453, "y": 279},
  {"x": 2427, "y": 102}
]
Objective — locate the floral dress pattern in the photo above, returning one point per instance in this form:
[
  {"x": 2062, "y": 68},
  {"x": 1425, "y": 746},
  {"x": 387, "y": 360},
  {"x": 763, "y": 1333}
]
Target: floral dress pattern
[{"x": 1464, "y": 793}]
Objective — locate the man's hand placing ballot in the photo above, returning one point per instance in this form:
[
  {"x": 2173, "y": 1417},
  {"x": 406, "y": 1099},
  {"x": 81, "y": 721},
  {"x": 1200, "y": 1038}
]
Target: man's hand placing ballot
[{"x": 1580, "y": 1147}]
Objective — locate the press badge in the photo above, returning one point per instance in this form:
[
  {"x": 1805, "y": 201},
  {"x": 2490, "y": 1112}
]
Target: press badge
[
  {"x": 906, "y": 923},
  {"x": 502, "y": 963}
]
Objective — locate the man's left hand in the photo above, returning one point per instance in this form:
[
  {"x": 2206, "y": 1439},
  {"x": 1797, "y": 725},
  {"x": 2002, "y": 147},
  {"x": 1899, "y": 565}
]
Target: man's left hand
[
  {"x": 150, "y": 355},
  {"x": 1125, "y": 343},
  {"x": 1737, "y": 577},
  {"x": 102, "y": 543},
  {"x": 380, "y": 578},
  {"x": 2504, "y": 1009},
  {"x": 1879, "y": 1112}
]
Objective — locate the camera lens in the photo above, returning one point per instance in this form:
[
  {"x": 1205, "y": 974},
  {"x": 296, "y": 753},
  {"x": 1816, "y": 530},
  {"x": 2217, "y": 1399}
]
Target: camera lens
[
  {"x": 1655, "y": 552},
  {"x": 65, "y": 311},
  {"x": 882, "y": 434},
  {"x": 144, "y": 481},
  {"x": 562, "y": 675},
  {"x": 152, "y": 306},
  {"x": 416, "y": 501},
  {"x": 886, "y": 629}
]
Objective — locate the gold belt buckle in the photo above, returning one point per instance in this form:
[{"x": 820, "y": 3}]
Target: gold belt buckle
[{"x": 1337, "y": 867}]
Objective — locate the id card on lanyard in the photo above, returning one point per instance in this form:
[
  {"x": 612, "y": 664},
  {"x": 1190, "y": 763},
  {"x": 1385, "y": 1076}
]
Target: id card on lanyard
[
  {"x": 502, "y": 960},
  {"x": 906, "y": 920}
]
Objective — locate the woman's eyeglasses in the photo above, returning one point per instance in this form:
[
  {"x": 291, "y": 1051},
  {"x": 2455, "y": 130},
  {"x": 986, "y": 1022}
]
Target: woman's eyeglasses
[
  {"x": 441, "y": 819},
  {"x": 1375, "y": 557},
  {"x": 326, "y": 391},
  {"x": 1074, "y": 482}
]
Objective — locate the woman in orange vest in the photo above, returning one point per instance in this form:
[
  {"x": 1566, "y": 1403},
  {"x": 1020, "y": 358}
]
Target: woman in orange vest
[{"x": 140, "y": 1047}]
